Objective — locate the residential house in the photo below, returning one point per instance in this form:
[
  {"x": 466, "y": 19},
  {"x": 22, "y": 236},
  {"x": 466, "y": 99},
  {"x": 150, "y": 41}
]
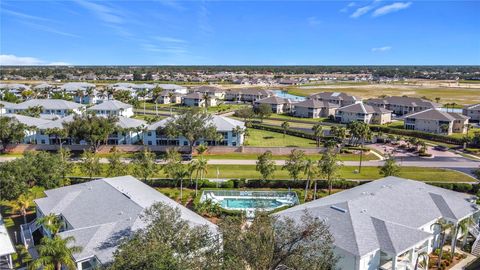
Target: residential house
[
  {"x": 312, "y": 108},
  {"x": 179, "y": 89},
  {"x": 387, "y": 223},
  {"x": 41, "y": 136},
  {"x": 4, "y": 106},
  {"x": 247, "y": 94},
  {"x": 472, "y": 111},
  {"x": 13, "y": 88},
  {"x": 279, "y": 105},
  {"x": 338, "y": 98},
  {"x": 7, "y": 249},
  {"x": 218, "y": 93},
  {"x": 225, "y": 126},
  {"x": 198, "y": 100},
  {"x": 129, "y": 131},
  {"x": 402, "y": 105},
  {"x": 31, "y": 123},
  {"x": 112, "y": 107},
  {"x": 74, "y": 87},
  {"x": 167, "y": 97},
  {"x": 363, "y": 113},
  {"x": 436, "y": 121},
  {"x": 100, "y": 214},
  {"x": 57, "y": 107}
]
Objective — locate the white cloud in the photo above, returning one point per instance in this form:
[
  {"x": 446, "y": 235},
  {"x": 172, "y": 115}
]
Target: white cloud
[
  {"x": 170, "y": 40},
  {"x": 382, "y": 49},
  {"x": 13, "y": 60},
  {"x": 103, "y": 12},
  {"x": 347, "y": 7},
  {"x": 23, "y": 15},
  {"x": 313, "y": 21},
  {"x": 365, "y": 9},
  {"x": 391, "y": 8}
]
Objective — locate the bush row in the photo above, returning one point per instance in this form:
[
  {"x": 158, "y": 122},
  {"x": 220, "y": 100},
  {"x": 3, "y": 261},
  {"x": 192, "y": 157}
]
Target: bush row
[{"x": 417, "y": 134}]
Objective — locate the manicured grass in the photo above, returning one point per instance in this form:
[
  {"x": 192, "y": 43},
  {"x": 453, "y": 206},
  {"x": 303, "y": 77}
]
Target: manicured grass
[
  {"x": 292, "y": 124},
  {"x": 148, "y": 117},
  {"x": 263, "y": 138},
  {"x": 288, "y": 117},
  {"x": 471, "y": 133},
  {"x": 240, "y": 156}
]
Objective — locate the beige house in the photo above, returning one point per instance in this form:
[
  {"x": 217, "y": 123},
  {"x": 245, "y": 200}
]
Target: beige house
[
  {"x": 198, "y": 100},
  {"x": 436, "y": 121},
  {"x": 218, "y": 93},
  {"x": 167, "y": 97},
  {"x": 338, "y": 98},
  {"x": 314, "y": 109},
  {"x": 278, "y": 104},
  {"x": 472, "y": 111},
  {"x": 363, "y": 113},
  {"x": 403, "y": 105},
  {"x": 247, "y": 94}
]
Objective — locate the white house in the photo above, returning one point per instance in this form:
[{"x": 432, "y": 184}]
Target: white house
[
  {"x": 57, "y": 107},
  {"x": 472, "y": 111},
  {"x": 224, "y": 125},
  {"x": 312, "y": 108},
  {"x": 363, "y": 113},
  {"x": 32, "y": 124},
  {"x": 197, "y": 99},
  {"x": 247, "y": 94},
  {"x": 218, "y": 93},
  {"x": 174, "y": 88},
  {"x": 73, "y": 87},
  {"x": 7, "y": 248},
  {"x": 338, "y": 98},
  {"x": 112, "y": 107},
  {"x": 278, "y": 104},
  {"x": 386, "y": 223},
  {"x": 130, "y": 131},
  {"x": 436, "y": 121},
  {"x": 167, "y": 97},
  {"x": 4, "y": 106},
  {"x": 99, "y": 214}
]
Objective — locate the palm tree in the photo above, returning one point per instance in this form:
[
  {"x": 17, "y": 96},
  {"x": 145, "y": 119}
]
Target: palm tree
[
  {"x": 317, "y": 132},
  {"x": 311, "y": 171},
  {"x": 329, "y": 166},
  {"x": 444, "y": 128},
  {"x": 424, "y": 256},
  {"x": 50, "y": 222},
  {"x": 21, "y": 205},
  {"x": 206, "y": 97},
  {"x": 364, "y": 134},
  {"x": 443, "y": 227},
  {"x": 170, "y": 96},
  {"x": 285, "y": 126},
  {"x": 56, "y": 253},
  {"x": 202, "y": 169},
  {"x": 238, "y": 130}
]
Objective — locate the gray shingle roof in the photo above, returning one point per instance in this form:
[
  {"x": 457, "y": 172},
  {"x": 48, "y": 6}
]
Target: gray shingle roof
[
  {"x": 406, "y": 101},
  {"x": 333, "y": 96},
  {"x": 274, "y": 100},
  {"x": 435, "y": 114},
  {"x": 6, "y": 104},
  {"x": 110, "y": 105},
  {"x": 48, "y": 104},
  {"x": 386, "y": 213},
  {"x": 102, "y": 212},
  {"x": 313, "y": 103},
  {"x": 125, "y": 122},
  {"x": 473, "y": 106},
  {"x": 222, "y": 123},
  {"x": 363, "y": 108},
  {"x": 27, "y": 120}
]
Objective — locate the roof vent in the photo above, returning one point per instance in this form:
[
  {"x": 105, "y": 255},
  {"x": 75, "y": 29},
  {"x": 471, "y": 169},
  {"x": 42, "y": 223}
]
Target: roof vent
[
  {"x": 120, "y": 213},
  {"x": 338, "y": 208},
  {"x": 363, "y": 211}
]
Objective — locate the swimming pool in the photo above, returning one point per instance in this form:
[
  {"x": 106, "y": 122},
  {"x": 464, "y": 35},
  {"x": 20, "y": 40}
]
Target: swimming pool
[
  {"x": 285, "y": 94},
  {"x": 250, "y": 200}
]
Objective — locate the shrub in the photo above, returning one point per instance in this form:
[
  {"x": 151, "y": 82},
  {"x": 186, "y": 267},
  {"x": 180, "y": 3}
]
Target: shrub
[{"x": 417, "y": 134}]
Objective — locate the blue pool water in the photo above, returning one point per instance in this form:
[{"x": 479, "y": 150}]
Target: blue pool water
[
  {"x": 240, "y": 203},
  {"x": 285, "y": 94}
]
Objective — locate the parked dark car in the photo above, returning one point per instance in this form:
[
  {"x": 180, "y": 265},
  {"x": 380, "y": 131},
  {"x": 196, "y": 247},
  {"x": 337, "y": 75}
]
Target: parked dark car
[
  {"x": 441, "y": 148},
  {"x": 186, "y": 157}
]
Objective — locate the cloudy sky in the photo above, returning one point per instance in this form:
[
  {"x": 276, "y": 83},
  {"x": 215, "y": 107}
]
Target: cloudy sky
[{"x": 226, "y": 32}]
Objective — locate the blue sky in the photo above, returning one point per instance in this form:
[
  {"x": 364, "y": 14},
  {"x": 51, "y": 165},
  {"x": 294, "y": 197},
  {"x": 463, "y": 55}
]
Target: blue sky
[{"x": 169, "y": 32}]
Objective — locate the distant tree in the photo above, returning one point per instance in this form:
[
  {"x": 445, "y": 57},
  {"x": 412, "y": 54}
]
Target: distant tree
[
  {"x": 90, "y": 164},
  {"x": 390, "y": 167},
  {"x": 437, "y": 99},
  {"x": 285, "y": 127},
  {"x": 295, "y": 163},
  {"x": 11, "y": 131},
  {"x": 60, "y": 134},
  {"x": 265, "y": 165},
  {"x": 115, "y": 165},
  {"x": 33, "y": 111},
  {"x": 317, "y": 132},
  {"x": 63, "y": 165},
  {"x": 263, "y": 111},
  {"x": 329, "y": 166},
  {"x": 193, "y": 125},
  {"x": 168, "y": 242},
  {"x": 144, "y": 165},
  {"x": 246, "y": 113},
  {"x": 95, "y": 130},
  {"x": 21, "y": 205},
  {"x": 271, "y": 243},
  {"x": 206, "y": 98},
  {"x": 175, "y": 169}
]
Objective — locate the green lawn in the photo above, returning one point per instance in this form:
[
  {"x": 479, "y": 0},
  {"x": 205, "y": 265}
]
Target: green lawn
[
  {"x": 263, "y": 138},
  {"x": 471, "y": 133},
  {"x": 242, "y": 156},
  {"x": 347, "y": 172}
]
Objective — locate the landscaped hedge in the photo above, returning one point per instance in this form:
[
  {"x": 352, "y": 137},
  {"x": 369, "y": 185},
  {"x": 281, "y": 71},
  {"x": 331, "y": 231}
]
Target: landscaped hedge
[
  {"x": 417, "y": 134},
  {"x": 285, "y": 184}
]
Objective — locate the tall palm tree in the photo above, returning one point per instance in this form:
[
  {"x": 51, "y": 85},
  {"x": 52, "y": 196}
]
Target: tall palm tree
[
  {"x": 238, "y": 130},
  {"x": 364, "y": 134},
  {"x": 21, "y": 205},
  {"x": 443, "y": 225},
  {"x": 206, "y": 97},
  {"x": 51, "y": 222},
  {"x": 424, "y": 257},
  {"x": 317, "y": 132},
  {"x": 310, "y": 171},
  {"x": 56, "y": 253},
  {"x": 202, "y": 169},
  {"x": 285, "y": 126}
]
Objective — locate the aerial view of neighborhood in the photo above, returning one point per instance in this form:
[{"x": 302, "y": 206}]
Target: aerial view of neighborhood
[{"x": 258, "y": 135}]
